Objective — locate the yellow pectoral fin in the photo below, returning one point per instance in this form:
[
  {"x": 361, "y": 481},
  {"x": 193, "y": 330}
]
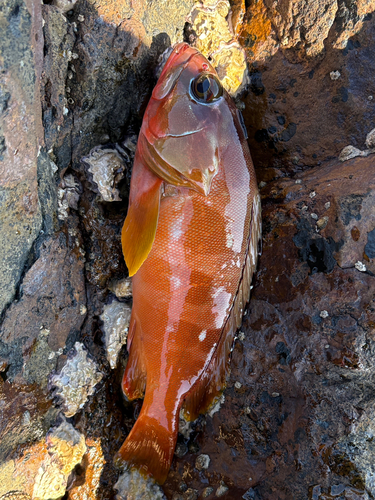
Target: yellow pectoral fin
[{"x": 138, "y": 232}]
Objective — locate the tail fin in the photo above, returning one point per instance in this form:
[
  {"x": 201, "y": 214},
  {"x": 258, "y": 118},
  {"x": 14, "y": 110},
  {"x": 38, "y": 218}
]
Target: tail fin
[{"x": 149, "y": 448}]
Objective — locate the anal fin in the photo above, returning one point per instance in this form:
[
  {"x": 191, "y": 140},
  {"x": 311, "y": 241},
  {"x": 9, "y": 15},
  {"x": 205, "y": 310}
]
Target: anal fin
[{"x": 134, "y": 379}]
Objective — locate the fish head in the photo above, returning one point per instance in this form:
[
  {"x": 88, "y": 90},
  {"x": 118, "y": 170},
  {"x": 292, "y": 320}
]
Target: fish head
[{"x": 185, "y": 121}]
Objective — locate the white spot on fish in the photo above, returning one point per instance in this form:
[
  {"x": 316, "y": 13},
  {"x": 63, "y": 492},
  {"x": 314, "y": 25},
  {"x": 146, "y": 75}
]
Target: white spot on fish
[
  {"x": 230, "y": 239},
  {"x": 202, "y": 335}
]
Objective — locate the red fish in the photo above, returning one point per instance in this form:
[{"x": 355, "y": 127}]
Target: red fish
[{"x": 190, "y": 239}]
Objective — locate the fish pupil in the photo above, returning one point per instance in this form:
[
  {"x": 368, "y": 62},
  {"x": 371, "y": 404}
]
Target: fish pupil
[
  {"x": 203, "y": 85},
  {"x": 206, "y": 88}
]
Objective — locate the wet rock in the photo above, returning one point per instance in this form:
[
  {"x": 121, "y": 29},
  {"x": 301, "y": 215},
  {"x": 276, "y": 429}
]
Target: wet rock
[
  {"x": 48, "y": 313},
  {"x": 66, "y": 448},
  {"x": 122, "y": 288},
  {"x": 21, "y": 134},
  {"x": 297, "y": 410},
  {"x": 133, "y": 486},
  {"x": 116, "y": 319},
  {"x": 93, "y": 464},
  {"x": 43, "y": 469},
  {"x": 288, "y": 83},
  {"x": 202, "y": 462},
  {"x": 76, "y": 381}
]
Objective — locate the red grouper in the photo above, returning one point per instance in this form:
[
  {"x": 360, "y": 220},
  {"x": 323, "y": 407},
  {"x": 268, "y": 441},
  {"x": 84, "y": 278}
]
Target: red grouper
[{"x": 190, "y": 241}]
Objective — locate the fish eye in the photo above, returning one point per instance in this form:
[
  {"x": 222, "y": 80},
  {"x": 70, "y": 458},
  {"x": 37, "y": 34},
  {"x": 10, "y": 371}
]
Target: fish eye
[{"x": 206, "y": 88}]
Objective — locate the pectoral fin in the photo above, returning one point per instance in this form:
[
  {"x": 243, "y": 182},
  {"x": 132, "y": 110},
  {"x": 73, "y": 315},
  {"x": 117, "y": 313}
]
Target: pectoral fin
[{"x": 138, "y": 232}]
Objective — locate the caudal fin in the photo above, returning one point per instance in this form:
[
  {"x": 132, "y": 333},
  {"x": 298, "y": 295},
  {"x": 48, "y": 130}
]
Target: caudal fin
[{"x": 149, "y": 448}]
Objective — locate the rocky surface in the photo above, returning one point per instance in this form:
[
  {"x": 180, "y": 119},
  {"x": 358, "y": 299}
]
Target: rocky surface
[{"x": 297, "y": 420}]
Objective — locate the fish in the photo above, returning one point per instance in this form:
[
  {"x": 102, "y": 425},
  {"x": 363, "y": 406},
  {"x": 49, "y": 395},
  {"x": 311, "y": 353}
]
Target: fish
[{"x": 190, "y": 241}]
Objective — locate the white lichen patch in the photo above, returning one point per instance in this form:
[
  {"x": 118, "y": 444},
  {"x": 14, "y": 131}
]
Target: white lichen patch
[
  {"x": 107, "y": 168},
  {"x": 324, "y": 314},
  {"x": 76, "y": 381},
  {"x": 350, "y": 152},
  {"x": 370, "y": 139},
  {"x": 64, "y": 5},
  {"x": 132, "y": 485},
  {"x": 222, "y": 490},
  {"x": 66, "y": 447},
  {"x": 322, "y": 223},
  {"x": 360, "y": 266},
  {"x": 184, "y": 425},
  {"x": 116, "y": 319},
  {"x": 67, "y": 196}
]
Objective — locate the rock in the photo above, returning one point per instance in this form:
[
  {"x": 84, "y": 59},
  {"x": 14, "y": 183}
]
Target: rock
[
  {"x": 116, "y": 319},
  {"x": 202, "y": 462},
  {"x": 282, "y": 92},
  {"x": 43, "y": 471},
  {"x": 122, "y": 288},
  {"x": 66, "y": 448},
  {"x": 48, "y": 312},
  {"x": 134, "y": 486},
  {"x": 297, "y": 418},
  {"x": 21, "y": 134},
  {"x": 107, "y": 169},
  {"x": 76, "y": 381},
  {"x": 94, "y": 458}
]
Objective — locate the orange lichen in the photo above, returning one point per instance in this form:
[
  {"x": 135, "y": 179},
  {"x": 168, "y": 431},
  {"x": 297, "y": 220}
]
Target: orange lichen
[
  {"x": 94, "y": 467},
  {"x": 255, "y": 34}
]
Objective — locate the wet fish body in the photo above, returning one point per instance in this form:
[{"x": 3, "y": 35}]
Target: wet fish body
[{"x": 190, "y": 239}]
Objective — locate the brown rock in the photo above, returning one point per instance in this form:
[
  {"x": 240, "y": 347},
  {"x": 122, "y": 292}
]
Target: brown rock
[
  {"x": 48, "y": 313},
  {"x": 21, "y": 46}
]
